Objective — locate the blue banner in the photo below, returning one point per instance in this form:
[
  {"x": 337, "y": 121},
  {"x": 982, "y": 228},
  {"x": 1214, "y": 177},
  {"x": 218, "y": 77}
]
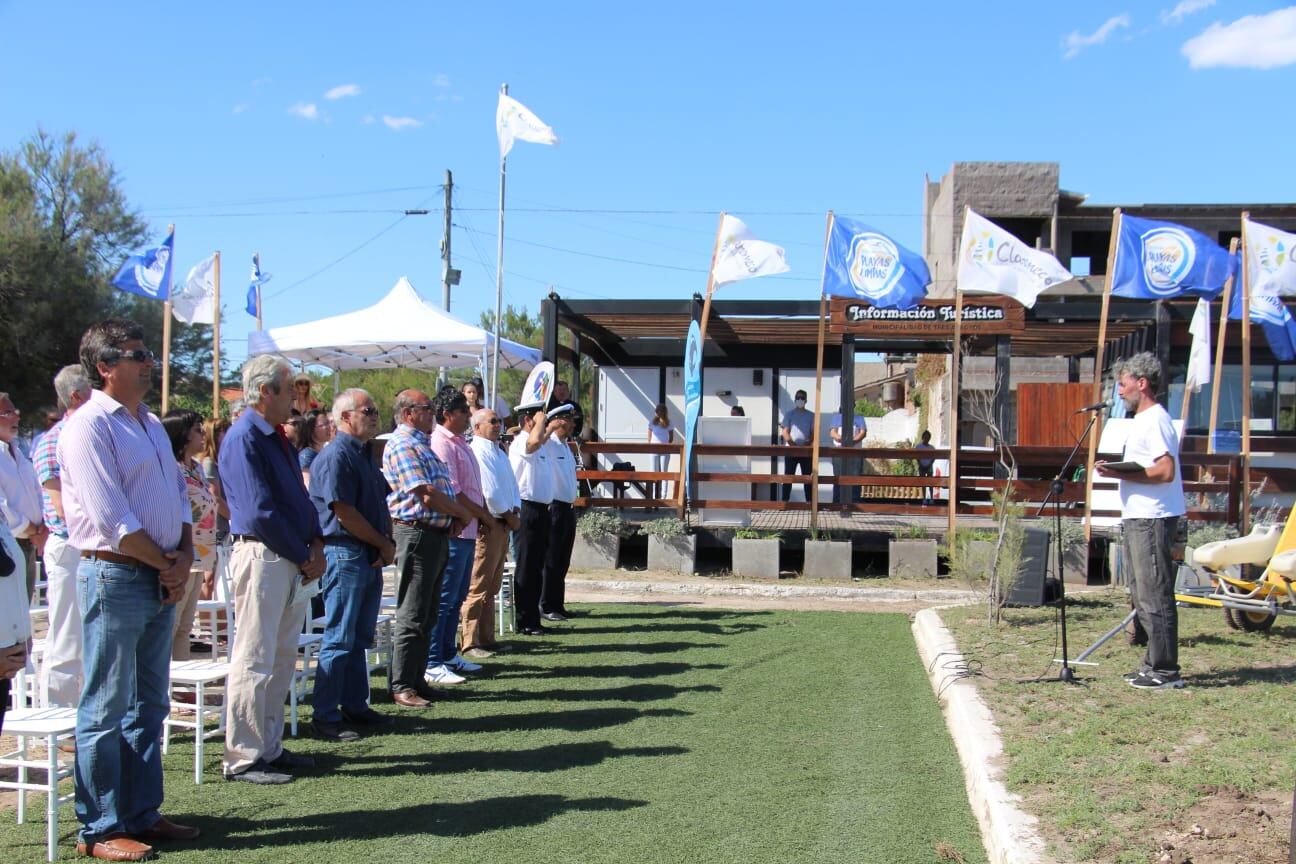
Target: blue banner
[
  {"x": 148, "y": 274},
  {"x": 254, "y": 289},
  {"x": 864, "y": 264},
  {"x": 1274, "y": 318},
  {"x": 692, "y": 395},
  {"x": 1160, "y": 260}
]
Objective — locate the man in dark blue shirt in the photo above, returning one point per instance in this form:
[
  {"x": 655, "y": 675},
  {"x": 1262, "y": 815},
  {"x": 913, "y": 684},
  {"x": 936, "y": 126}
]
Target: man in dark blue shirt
[
  {"x": 350, "y": 496},
  {"x": 277, "y": 561}
]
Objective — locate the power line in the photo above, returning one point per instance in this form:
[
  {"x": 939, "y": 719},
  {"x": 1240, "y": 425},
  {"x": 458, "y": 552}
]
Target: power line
[{"x": 290, "y": 200}]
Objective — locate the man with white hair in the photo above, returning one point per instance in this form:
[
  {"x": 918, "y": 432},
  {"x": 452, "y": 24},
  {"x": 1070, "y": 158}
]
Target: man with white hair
[
  {"x": 278, "y": 558},
  {"x": 500, "y": 491},
  {"x": 60, "y": 672},
  {"x": 350, "y": 498}
]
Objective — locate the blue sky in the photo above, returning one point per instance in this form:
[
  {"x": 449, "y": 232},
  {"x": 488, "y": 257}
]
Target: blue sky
[{"x": 221, "y": 122}]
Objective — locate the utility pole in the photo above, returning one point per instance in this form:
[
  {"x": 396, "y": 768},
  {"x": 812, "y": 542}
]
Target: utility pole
[{"x": 449, "y": 275}]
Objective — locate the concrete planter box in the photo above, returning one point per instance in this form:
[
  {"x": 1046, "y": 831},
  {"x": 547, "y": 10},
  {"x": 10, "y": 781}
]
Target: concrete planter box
[
  {"x": 979, "y": 556},
  {"x": 676, "y": 554},
  {"x": 911, "y": 559},
  {"x": 756, "y": 558},
  {"x": 595, "y": 553},
  {"x": 827, "y": 559}
]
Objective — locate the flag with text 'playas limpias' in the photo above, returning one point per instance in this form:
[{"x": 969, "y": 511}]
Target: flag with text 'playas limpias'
[
  {"x": 739, "y": 255},
  {"x": 1269, "y": 311},
  {"x": 1270, "y": 265},
  {"x": 148, "y": 274},
  {"x": 862, "y": 263},
  {"x": 254, "y": 287},
  {"x": 994, "y": 261},
  {"x": 1159, "y": 260}
]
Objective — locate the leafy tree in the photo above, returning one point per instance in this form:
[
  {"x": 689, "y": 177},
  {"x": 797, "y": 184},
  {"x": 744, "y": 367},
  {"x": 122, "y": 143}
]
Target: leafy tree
[{"x": 519, "y": 327}]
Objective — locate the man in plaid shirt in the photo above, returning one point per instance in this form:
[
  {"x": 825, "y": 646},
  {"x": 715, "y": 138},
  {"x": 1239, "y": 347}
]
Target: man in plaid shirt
[{"x": 424, "y": 516}]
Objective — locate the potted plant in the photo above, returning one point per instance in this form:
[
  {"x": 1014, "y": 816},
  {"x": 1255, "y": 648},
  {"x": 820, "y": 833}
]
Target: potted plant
[
  {"x": 911, "y": 554},
  {"x": 827, "y": 557},
  {"x": 1075, "y": 551},
  {"x": 598, "y": 540},
  {"x": 670, "y": 545},
  {"x": 756, "y": 553}
]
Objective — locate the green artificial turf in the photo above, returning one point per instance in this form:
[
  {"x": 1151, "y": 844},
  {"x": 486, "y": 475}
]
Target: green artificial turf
[{"x": 643, "y": 733}]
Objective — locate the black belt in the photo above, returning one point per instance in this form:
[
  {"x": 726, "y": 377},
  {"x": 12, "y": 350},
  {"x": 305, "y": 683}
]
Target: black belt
[
  {"x": 423, "y": 526},
  {"x": 526, "y": 503},
  {"x": 250, "y": 538}
]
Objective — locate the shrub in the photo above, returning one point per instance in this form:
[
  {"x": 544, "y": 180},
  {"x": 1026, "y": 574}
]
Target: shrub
[
  {"x": 600, "y": 523},
  {"x": 664, "y": 528},
  {"x": 754, "y": 534},
  {"x": 909, "y": 531},
  {"x": 1202, "y": 533}
]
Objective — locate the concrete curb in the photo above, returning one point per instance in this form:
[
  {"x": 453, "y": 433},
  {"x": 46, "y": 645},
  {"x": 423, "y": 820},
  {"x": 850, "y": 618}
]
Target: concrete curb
[
  {"x": 1010, "y": 834},
  {"x": 825, "y": 592}
]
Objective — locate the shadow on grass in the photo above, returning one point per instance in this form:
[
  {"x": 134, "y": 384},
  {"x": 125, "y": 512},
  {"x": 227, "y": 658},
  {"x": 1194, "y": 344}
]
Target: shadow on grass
[
  {"x": 628, "y": 693},
  {"x": 645, "y": 648},
  {"x": 383, "y": 823},
  {"x": 632, "y": 670},
  {"x": 693, "y": 614},
  {"x": 732, "y": 629},
  {"x": 579, "y": 720},
  {"x": 555, "y": 757},
  {"x": 1245, "y": 675}
]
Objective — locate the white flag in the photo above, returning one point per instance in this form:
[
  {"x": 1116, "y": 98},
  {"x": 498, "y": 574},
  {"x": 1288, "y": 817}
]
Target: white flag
[
  {"x": 1199, "y": 361},
  {"x": 992, "y": 261},
  {"x": 194, "y": 302},
  {"x": 514, "y": 121},
  {"x": 1269, "y": 260},
  {"x": 741, "y": 256}
]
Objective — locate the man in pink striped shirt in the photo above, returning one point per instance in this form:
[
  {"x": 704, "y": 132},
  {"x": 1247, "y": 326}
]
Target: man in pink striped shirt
[
  {"x": 127, "y": 511},
  {"x": 445, "y": 664}
]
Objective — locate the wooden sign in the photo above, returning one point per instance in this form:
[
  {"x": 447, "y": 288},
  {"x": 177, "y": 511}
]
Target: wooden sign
[{"x": 932, "y": 319}]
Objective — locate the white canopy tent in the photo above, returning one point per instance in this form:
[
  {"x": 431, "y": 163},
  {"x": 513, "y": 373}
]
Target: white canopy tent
[{"x": 402, "y": 330}]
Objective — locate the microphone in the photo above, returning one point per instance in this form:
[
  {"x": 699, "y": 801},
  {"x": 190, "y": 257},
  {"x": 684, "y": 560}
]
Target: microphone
[{"x": 1097, "y": 406}]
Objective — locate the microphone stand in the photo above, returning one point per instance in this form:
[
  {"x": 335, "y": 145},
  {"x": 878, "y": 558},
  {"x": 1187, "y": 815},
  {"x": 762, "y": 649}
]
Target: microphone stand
[{"x": 1067, "y": 674}]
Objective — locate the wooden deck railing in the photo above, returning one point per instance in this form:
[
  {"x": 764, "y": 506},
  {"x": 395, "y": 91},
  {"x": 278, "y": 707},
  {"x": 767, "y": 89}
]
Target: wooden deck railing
[{"x": 1212, "y": 482}]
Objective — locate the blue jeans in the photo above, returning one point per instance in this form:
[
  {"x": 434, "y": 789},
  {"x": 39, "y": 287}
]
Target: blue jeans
[
  {"x": 454, "y": 591},
  {"x": 352, "y": 592},
  {"x": 127, "y": 661}
]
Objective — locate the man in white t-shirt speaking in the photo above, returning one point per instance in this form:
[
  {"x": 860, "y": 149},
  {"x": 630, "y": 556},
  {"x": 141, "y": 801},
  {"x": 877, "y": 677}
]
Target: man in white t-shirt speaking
[{"x": 1152, "y": 500}]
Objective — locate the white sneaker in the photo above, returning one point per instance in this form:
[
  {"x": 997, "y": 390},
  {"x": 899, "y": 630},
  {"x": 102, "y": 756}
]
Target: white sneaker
[
  {"x": 441, "y": 675},
  {"x": 462, "y": 664}
]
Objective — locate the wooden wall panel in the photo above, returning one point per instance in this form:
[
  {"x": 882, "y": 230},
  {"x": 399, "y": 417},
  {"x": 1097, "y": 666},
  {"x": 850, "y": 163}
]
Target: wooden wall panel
[{"x": 1046, "y": 413}]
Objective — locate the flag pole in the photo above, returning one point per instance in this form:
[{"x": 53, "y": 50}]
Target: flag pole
[
  {"x": 814, "y": 456},
  {"x": 256, "y": 258},
  {"x": 955, "y": 393},
  {"x": 216, "y": 316},
  {"x": 1114, "y": 245},
  {"x": 1246, "y": 381},
  {"x": 1219, "y": 354},
  {"x": 702, "y": 328},
  {"x": 492, "y": 398},
  {"x": 166, "y": 330}
]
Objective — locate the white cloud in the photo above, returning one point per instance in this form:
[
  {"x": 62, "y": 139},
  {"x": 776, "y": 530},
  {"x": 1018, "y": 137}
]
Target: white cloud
[
  {"x": 1183, "y": 9},
  {"x": 261, "y": 82},
  {"x": 1252, "y": 42},
  {"x": 369, "y": 120},
  {"x": 305, "y": 110},
  {"x": 1075, "y": 42},
  {"x": 240, "y": 108},
  {"x": 442, "y": 80},
  {"x": 400, "y": 124},
  {"x": 342, "y": 91}
]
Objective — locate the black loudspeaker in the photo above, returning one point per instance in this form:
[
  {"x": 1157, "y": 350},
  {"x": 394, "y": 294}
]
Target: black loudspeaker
[{"x": 1028, "y": 587}]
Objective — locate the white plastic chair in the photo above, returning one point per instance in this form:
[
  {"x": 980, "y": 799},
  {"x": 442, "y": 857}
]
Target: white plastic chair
[
  {"x": 198, "y": 674},
  {"x": 504, "y": 599},
  {"x": 214, "y": 618},
  {"x": 308, "y": 647},
  {"x": 47, "y": 725}
]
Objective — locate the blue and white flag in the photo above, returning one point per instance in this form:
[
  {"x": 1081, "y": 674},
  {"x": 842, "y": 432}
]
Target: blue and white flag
[
  {"x": 692, "y": 395},
  {"x": 254, "y": 289},
  {"x": 148, "y": 274},
  {"x": 1158, "y": 260},
  {"x": 1272, "y": 315},
  {"x": 864, "y": 264}
]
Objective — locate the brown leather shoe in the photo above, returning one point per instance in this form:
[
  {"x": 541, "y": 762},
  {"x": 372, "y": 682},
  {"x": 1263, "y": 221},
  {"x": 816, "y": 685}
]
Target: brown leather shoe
[
  {"x": 410, "y": 699},
  {"x": 117, "y": 847},
  {"x": 164, "y": 829}
]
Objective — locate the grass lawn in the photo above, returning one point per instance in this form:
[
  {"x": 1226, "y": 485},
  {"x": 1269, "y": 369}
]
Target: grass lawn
[
  {"x": 1114, "y": 772},
  {"x": 645, "y": 733}
]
